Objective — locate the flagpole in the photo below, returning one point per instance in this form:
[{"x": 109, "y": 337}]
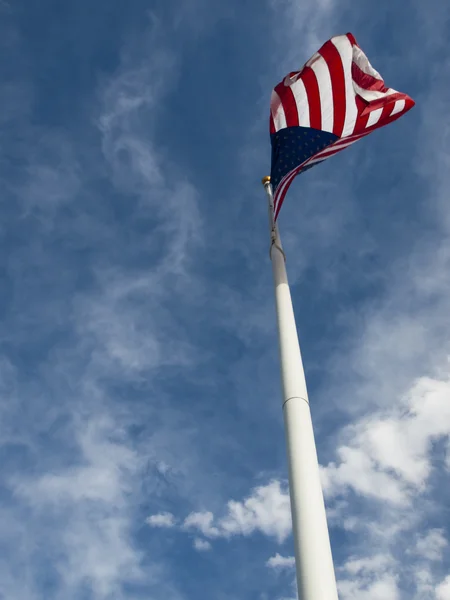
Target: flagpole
[{"x": 313, "y": 559}]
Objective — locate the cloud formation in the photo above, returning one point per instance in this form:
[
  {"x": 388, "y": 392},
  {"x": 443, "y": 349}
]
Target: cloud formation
[{"x": 266, "y": 510}]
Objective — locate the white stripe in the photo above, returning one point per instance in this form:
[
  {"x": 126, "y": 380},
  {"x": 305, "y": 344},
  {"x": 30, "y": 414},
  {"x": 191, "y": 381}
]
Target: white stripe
[
  {"x": 371, "y": 95},
  {"x": 323, "y": 77},
  {"x": 315, "y": 160},
  {"x": 357, "y": 136},
  {"x": 374, "y": 117},
  {"x": 283, "y": 181},
  {"x": 334, "y": 148},
  {"x": 398, "y": 107},
  {"x": 313, "y": 59},
  {"x": 279, "y": 117},
  {"x": 332, "y": 151},
  {"x": 345, "y": 49},
  {"x": 286, "y": 180},
  {"x": 301, "y": 99},
  {"x": 363, "y": 63},
  {"x": 348, "y": 140},
  {"x": 342, "y": 145}
]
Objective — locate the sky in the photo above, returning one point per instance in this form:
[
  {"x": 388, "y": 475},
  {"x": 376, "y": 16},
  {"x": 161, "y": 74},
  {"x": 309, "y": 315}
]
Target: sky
[{"x": 141, "y": 434}]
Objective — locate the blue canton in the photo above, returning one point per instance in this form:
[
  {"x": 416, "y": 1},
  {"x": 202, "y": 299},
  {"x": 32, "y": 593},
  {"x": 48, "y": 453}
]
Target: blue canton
[{"x": 292, "y": 146}]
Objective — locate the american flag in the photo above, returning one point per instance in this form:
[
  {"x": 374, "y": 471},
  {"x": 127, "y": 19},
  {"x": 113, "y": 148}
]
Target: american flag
[{"x": 336, "y": 99}]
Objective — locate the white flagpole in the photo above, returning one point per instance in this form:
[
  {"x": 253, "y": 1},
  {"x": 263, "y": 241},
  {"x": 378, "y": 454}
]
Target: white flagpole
[{"x": 314, "y": 563}]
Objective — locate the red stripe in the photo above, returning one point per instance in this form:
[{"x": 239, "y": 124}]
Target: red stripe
[
  {"x": 386, "y": 118},
  {"x": 366, "y": 81},
  {"x": 332, "y": 152},
  {"x": 282, "y": 189},
  {"x": 288, "y": 101},
  {"x": 352, "y": 39},
  {"x": 333, "y": 59},
  {"x": 362, "y": 118},
  {"x": 278, "y": 200},
  {"x": 312, "y": 91},
  {"x": 351, "y": 138},
  {"x": 409, "y": 103},
  {"x": 335, "y": 148},
  {"x": 389, "y": 100},
  {"x": 292, "y": 77},
  {"x": 387, "y": 109}
]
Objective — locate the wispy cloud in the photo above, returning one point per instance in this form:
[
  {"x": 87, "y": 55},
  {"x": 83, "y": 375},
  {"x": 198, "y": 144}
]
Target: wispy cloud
[
  {"x": 79, "y": 481},
  {"x": 306, "y": 26},
  {"x": 94, "y": 544},
  {"x": 281, "y": 562},
  {"x": 202, "y": 545}
]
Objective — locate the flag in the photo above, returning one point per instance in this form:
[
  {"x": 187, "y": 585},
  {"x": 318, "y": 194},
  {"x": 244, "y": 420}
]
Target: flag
[{"x": 336, "y": 99}]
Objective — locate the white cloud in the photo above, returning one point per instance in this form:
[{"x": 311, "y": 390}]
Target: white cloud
[
  {"x": 387, "y": 461},
  {"x": 88, "y": 502},
  {"x": 163, "y": 520},
  {"x": 203, "y": 522},
  {"x": 266, "y": 510},
  {"x": 388, "y": 456},
  {"x": 281, "y": 562},
  {"x": 425, "y": 583},
  {"x": 356, "y": 469},
  {"x": 367, "y": 564},
  {"x": 431, "y": 546},
  {"x": 443, "y": 590},
  {"x": 369, "y": 577},
  {"x": 384, "y": 589},
  {"x": 201, "y": 545}
]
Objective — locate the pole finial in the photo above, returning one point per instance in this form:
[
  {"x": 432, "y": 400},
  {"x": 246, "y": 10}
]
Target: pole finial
[{"x": 265, "y": 180}]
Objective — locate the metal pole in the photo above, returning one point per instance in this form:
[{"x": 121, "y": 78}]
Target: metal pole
[{"x": 314, "y": 563}]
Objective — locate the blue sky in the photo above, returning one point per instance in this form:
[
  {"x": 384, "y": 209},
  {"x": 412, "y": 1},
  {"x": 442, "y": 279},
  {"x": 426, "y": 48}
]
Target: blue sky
[{"x": 141, "y": 435}]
